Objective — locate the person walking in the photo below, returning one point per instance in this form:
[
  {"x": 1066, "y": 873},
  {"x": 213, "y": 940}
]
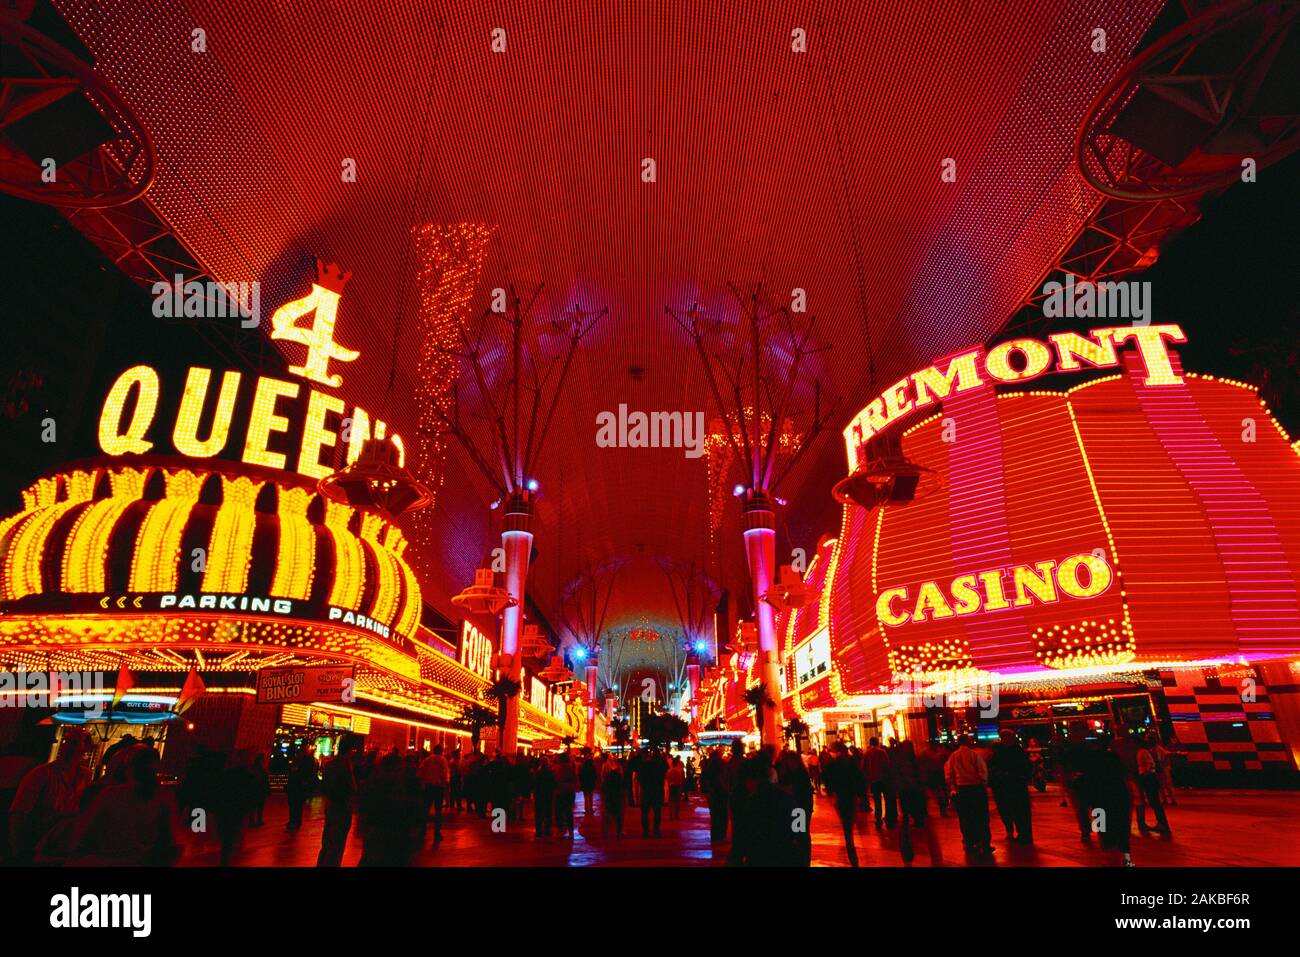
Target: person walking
[
  {"x": 844, "y": 782},
  {"x": 715, "y": 792},
  {"x": 543, "y": 798},
  {"x": 261, "y": 790},
  {"x": 905, "y": 777},
  {"x": 298, "y": 785},
  {"x": 1075, "y": 757},
  {"x": 968, "y": 777},
  {"x": 390, "y": 807},
  {"x": 435, "y": 776},
  {"x": 814, "y": 767},
  {"x": 883, "y": 796},
  {"x": 1010, "y": 771},
  {"x": 731, "y": 772},
  {"x": 930, "y": 762},
  {"x": 793, "y": 778},
  {"x": 128, "y": 825},
  {"x": 1125, "y": 747},
  {"x": 764, "y": 836},
  {"x": 1148, "y": 779},
  {"x": 676, "y": 780},
  {"x": 49, "y": 794},
  {"x": 588, "y": 778},
  {"x": 232, "y": 804},
  {"x": 339, "y": 788},
  {"x": 613, "y": 796},
  {"x": 634, "y": 777},
  {"x": 654, "y": 770},
  {"x": 496, "y": 784},
  {"x": 566, "y": 792},
  {"x": 472, "y": 772},
  {"x": 1164, "y": 770},
  {"x": 1110, "y": 800},
  {"x": 455, "y": 791}
]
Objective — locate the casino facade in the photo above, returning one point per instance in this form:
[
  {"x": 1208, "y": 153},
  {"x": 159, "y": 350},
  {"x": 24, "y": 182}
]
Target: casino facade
[
  {"x": 1119, "y": 551},
  {"x": 171, "y": 555}
]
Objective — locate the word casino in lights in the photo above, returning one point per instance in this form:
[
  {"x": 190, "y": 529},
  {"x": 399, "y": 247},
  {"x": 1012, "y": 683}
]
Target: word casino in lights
[
  {"x": 1123, "y": 552},
  {"x": 199, "y": 540}
]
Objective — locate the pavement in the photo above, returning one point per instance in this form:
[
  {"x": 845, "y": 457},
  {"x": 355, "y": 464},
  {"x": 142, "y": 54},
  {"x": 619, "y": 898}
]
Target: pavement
[{"x": 1210, "y": 829}]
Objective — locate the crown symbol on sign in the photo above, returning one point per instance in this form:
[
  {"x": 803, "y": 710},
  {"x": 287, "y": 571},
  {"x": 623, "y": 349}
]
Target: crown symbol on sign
[{"x": 331, "y": 276}]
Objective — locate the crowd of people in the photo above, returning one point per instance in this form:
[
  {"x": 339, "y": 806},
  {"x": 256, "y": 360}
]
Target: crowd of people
[
  {"x": 63, "y": 814},
  {"x": 759, "y": 803},
  {"x": 1104, "y": 780}
]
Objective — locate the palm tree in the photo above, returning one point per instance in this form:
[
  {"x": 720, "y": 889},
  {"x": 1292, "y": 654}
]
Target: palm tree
[
  {"x": 676, "y": 729},
  {"x": 796, "y": 728},
  {"x": 501, "y": 691},
  {"x": 473, "y": 718},
  {"x": 757, "y": 698}
]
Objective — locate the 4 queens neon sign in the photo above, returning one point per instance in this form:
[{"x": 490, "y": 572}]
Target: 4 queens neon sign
[
  {"x": 1085, "y": 575},
  {"x": 127, "y": 418},
  {"x": 975, "y": 368}
]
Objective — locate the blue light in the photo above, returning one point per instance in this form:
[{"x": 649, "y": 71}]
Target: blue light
[
  {"x": 700, "y": 646},
  {"x": 580, "y": 653},
  {"x": 533, "y": 485},
  {"x": 738, "y": 491}
]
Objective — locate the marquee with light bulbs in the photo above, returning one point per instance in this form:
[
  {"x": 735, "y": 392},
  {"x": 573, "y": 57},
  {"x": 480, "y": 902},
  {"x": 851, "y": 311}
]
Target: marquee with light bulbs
[
  {"x": 1139, "y": 527},
  {"x": 1142, "y": 517},
  {"x": 200, "y": 557}
]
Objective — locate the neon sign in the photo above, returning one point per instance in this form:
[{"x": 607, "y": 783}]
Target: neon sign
[
  {"x": 1085, "y": 575},
  {"x": 975, "y": 368},
  {"x": 475, "y": 650},
  {"x": 130, "y": 409},
  {"x": 323, "y": 303},
  {"x": 537, "y": 693}
]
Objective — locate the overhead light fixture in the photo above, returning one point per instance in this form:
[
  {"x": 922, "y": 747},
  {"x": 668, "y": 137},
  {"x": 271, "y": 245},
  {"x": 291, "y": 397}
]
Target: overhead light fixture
[
  {"x": 555, "y": 672},
  {"x": 376, "y": 480},
  {"x": 790, "y": 592},
  {"x": 887, "y": 476},
  {"x": 484, "y": 597}
]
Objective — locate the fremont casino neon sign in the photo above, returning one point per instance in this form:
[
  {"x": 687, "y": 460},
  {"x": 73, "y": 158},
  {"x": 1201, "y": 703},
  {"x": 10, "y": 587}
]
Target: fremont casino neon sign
[{"x": 975, "y": 368}]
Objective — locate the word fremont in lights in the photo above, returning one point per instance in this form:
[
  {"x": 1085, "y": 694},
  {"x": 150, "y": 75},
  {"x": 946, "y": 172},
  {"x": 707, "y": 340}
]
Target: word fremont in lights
[
  {"x": 1080, "y": 576},
  {"x": 1068, "y": 352}
]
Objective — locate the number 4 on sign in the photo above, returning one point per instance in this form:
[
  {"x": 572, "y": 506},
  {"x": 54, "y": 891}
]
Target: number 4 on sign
[{"x": 323, "y": 301}]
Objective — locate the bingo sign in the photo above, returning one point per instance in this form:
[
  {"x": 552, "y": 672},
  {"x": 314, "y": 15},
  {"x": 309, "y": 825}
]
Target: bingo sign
[{"x": 335, "y": 683}]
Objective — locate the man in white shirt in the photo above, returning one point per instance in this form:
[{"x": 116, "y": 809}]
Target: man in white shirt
[
  {"x": 435, "y": 775},
  {"x": 968, "y": 777}
]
